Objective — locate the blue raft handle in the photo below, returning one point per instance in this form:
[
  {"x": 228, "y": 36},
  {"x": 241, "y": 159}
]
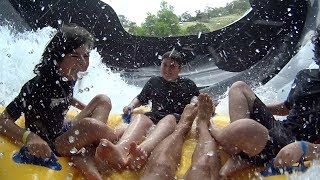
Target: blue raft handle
[
  {"x": 127, "y": 117},
  {"x": 271, "y": 170},
  {"x": 23, "y": 157}
]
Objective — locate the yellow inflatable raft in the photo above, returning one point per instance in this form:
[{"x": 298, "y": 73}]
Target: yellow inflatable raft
[{"x": 10, "y": 170}]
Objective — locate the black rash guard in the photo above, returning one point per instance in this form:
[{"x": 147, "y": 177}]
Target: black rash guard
[
  {"x": 44, "y": 102},
  {"x": 168, "y": 97},
  {"x": 304, "y": 104}
]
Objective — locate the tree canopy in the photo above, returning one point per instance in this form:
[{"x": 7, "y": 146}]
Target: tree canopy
[{"x": 166, "y": 23}]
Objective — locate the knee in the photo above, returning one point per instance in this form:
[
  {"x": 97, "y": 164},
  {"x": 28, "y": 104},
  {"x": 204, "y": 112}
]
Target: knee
[
  {"x": 171, "y": 119},
  {"x": 103, "y": 100},
  {"x": 89, "y": 123},
  {"x": 239, "y": 85}
]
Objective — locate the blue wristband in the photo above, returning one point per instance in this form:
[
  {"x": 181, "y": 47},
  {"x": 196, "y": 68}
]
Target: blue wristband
[{"x": 304, "y": 148}]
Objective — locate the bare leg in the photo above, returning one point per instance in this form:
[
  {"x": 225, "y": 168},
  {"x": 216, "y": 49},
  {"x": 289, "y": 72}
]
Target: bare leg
[
  {"x": 139, "y": 154},
  {"x": 98, "y": 108},
  {"x": 205, "y": 160},
  {"x": 88, "y": 127},
  {"x": 115, "y": 156},
  {"x": 241, "y": 99},
  {"x": 164, "y": 159},
  {"x": 86, "y": 132},
  {"x": 243, "y": 134},
  {"x": 86, "y": 164}
]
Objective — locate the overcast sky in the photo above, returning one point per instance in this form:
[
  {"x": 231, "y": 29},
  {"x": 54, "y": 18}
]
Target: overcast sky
[{"x": 136, "y": 10}]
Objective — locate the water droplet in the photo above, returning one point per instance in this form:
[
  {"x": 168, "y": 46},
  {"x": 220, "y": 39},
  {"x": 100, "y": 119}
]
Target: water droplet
[
  {"x": 210, "y": 153},
  {"x": 29, "y": 107},
  {"x": 308, "y": 79},
  {"x": 59, "y": 21},
  {"x": 293, "y": 85},
  {"x": 69, "y": 176},
  {"x": 64, "y": 79},
  {"x": 104, "y": 144},
  {"x": 76, "y": 132},
  {"x": 70, "y": 164},
  {"x": 71, "y": 139},
  {"x": 1, "y": 154},
  {"x": 257, "y": 51},
  {"x": 73, "y": 151}
]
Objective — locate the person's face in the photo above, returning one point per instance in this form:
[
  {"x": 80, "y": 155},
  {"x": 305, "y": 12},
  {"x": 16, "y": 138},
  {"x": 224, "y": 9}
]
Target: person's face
[
  {"x": 74, "y": 62},
  {"x": 169, "y": 69}
]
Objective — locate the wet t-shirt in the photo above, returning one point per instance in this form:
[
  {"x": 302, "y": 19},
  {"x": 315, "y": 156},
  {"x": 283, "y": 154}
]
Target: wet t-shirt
[
  {"x": 304, "y": 104},
  {"x": 44, "y": 102},
  {"x": 168, "y": 97}
]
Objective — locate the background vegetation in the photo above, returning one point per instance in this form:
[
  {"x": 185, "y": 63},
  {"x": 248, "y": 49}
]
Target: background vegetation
[{"x": 166, "y": 23}]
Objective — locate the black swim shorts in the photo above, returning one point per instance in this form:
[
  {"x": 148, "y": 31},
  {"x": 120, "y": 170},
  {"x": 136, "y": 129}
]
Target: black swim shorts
[
  {"x": 279, "y": 136},
  {"x": 157, "y": 116}
]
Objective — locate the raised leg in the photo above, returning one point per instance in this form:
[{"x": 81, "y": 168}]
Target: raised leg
[
  {"x": 115, "y": 156},
  {"x": 205, "y": 159},
  {"x": 241, "y": 99},
  {"x": 165, "y": 157},
  {"x": 98, "y": 108},
  {"x": 140, "y": 153}
]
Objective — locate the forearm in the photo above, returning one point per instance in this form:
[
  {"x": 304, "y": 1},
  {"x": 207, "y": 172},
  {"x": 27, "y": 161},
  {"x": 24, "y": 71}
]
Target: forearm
[
  {"x": 278, "y": 109},
  {"x": 135, "y": 103},
  {"x": 10, "y": 130},
  {"x": 313, "y": 151},
  {"x": 78, "y": 104}
]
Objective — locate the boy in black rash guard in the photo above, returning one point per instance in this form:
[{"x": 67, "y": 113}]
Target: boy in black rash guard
[
  {"x": 255, "y": 137},
  {"x": 46, "y": 98},
  {"x": 169, "y": 94}
]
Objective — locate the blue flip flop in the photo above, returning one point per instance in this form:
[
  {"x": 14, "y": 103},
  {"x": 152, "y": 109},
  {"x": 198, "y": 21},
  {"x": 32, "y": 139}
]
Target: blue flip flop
[
  {"x": 126, "y": 117},
  {"x": 23, "y": 157}
]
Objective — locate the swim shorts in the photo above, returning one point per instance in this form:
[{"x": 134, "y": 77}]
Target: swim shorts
[{"x": 279, "y": 135}]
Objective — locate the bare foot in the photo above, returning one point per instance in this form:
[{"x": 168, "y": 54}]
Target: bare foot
[
  {"x": 189, "y": 114},
  {"x": 110, "y": 155},
  {"x": 137, "y": 157},
  {"x": 205, "y": 107}
]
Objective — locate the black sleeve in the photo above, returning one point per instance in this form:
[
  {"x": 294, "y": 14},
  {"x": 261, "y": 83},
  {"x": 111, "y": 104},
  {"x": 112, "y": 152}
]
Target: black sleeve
[
  {"x": 145, "y": 93},
  {"x": 18, "y": 105},
  {"x": 195, "y": 89},
  {"x": 295, "y": 85}
]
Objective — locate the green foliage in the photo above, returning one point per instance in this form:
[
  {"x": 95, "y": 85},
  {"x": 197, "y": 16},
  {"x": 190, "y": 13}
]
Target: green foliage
[
  {"x": 166, "y": 23},
  {"x": 197, "y": 28}
]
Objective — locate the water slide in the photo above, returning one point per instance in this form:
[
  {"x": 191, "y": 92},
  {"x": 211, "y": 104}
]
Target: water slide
[{"x": 258, "y": 48}]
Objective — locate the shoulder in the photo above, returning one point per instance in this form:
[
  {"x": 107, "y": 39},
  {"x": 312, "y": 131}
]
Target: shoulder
[
  {"x": 307, "y": 73},
  {"x": 154, "y": 79},
  {"x": 32, "y": 84},
  {"x": 186, "y": 80}
]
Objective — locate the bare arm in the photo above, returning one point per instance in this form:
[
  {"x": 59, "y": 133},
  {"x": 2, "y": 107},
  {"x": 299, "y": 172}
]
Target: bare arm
[
  {"x": 10, "y": 129},
  {"x": 292, "y": 153},
  {"x": 278, "y": 109},
  {"x": 36, "y": 145},
  {"x": 78, "y": 104},
  {"x": 134, "y": 103}
]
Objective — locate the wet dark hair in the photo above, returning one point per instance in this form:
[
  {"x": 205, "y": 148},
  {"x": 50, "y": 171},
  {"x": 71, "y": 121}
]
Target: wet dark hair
[
  {"x": 174, "y": 55},
  {"x": 67, "y": 38},
  {"x": 316, "y": 43}
]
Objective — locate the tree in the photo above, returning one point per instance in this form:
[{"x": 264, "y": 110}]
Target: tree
[
  {"x": 195, "y": 29},
  {"x": 124, "y": 21},
  {"x": 164, "y": 23},
  {"x": 185, "y": 17}
]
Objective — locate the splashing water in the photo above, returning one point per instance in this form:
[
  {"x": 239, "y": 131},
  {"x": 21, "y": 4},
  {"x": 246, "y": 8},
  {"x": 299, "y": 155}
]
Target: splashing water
[{"x": 20, "y": 52}]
